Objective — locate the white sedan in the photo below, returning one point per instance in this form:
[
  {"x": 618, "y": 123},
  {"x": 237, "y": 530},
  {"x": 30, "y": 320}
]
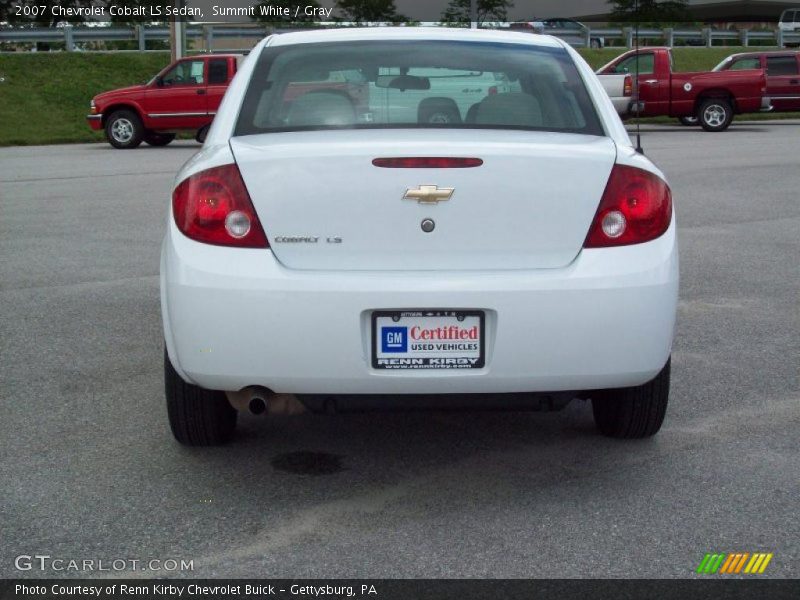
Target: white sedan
[{"x": 332, "y": 242}]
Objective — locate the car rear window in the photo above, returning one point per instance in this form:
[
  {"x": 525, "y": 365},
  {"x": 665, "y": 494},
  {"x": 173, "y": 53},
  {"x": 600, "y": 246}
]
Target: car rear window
[{"x": 406, "y": 84}]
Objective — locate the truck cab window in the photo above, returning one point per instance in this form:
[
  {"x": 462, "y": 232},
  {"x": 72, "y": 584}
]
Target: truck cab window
[{"x": 217, "y": 71}]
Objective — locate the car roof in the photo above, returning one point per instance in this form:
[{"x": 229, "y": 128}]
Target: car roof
[
  {"x": 765, "y": 52},
  {"x": 352, "y": 34}
]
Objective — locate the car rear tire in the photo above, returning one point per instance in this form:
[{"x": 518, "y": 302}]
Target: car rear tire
[
  {"x": 715, "y": 114},
  {"x": 595, "y": 44},
  {"x": 124, "y": 129},
  {"x": 197, "y": 416},
  {"x": 635, "y": 412},
  {"x": 158, "y": 139},
  {"x": 689, "y": 121}
]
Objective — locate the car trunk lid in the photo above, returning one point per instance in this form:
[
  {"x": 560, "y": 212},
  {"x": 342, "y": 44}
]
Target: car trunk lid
[{"x": 325, "y": 206}]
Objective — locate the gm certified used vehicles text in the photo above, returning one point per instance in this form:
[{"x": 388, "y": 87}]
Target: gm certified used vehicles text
[
  {"x": 183, "y": 96},
  {"x": 358, "y": 253},
  {"x": 713, "y": 98}
]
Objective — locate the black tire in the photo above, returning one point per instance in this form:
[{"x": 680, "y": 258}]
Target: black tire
[
  {"x": 595, "y": 43},
  {"x": 158, "y": 139},
  {"x": 438, "y": 111},
  {"x": 200, "y": 138},
  {"x": 124, "y": 129},
  {"x": 635, "y": 412},
  {"x": 715, "y": 114},
  {"x": 197, "y": 416},
  {"x": 689, "y": 121}
]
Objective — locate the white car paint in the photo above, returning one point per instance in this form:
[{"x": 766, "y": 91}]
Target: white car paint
[{"x": 297, "y": 319}]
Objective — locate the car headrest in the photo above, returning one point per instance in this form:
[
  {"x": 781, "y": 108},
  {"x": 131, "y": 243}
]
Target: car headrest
[
  {"x": 322, "y": 108},
  {"x": 512, "y": 108}
]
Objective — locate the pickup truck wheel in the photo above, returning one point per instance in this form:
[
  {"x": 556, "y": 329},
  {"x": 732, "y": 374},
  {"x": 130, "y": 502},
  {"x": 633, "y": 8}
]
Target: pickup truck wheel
[
  {"x": 689, "y": 121},
  {"x": 715, "y": 114},
  {"x": 158, "y": 139},
  {"x": 438, "y": 111},
  {"x": 635, "y": 412},
  {"x": 124, "y": 129},
  {"x": 200, "y": 138},
  {"x": 197, "y": 416}
]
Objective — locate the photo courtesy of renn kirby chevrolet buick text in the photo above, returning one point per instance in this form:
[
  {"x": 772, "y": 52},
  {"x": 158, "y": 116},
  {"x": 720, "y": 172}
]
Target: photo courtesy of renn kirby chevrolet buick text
[{"x": 394, "y": 212}]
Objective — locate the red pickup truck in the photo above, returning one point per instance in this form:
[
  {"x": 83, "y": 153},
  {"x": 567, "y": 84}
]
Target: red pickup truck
[
  {"x": 783, "y": 75},
  {"x": 183, "y": 96},
  {"x": 712, "y": 97}
]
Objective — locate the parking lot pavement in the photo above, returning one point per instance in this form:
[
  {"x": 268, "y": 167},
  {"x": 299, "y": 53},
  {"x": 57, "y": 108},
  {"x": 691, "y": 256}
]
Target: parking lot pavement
[{"x": 89, "y": 469}]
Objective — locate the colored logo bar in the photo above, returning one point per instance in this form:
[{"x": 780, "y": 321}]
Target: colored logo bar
[{"x": 734, "y": 562}]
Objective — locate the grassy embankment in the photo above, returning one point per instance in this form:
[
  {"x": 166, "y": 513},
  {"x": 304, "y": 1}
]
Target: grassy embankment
[{"x": 44, "y": 98}]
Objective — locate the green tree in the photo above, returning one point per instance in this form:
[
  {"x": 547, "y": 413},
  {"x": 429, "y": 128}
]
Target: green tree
[
  {"x": 369, "y": 11},
  {"x": 5, "y": 10},
  {"x": 650, "y": 11},
  {"x": 458, "y": 11},
  {"x": 291, "y": 5}
]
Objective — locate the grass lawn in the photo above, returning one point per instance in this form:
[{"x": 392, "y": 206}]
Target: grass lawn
[{"x": 44, "y": 97}]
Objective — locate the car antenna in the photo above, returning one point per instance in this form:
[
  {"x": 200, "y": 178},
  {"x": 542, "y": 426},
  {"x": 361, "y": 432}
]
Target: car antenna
[{"x": 638, "y": 87}]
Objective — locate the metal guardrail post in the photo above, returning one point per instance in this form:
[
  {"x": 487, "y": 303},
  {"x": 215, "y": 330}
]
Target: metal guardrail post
[
  {"x": 744, "y": 37},
  {"x": 628, "y": 33},
  {"x": 141, "y": 34},
  {"x": 209, "y": 35},
  {"x": 587, "y": 37},
  {"x": 707, "y": 37},
  {"x": 669, "y": 37},
  {"x": 69, "y": 41},
  {"x": 779, "y": 37}
]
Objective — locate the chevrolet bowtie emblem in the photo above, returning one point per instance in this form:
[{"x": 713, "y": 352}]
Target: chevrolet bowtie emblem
[{"x": 428, "y": 194}]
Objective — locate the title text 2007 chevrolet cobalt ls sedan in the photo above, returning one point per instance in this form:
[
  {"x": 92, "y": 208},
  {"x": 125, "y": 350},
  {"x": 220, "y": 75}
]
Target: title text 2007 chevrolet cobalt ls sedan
[{"x": 382, "y": 214}]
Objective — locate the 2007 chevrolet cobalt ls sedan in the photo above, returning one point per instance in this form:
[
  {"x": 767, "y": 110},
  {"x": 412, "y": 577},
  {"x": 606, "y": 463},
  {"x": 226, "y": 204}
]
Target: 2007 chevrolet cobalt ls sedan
[{"x": 395, "y": 212}]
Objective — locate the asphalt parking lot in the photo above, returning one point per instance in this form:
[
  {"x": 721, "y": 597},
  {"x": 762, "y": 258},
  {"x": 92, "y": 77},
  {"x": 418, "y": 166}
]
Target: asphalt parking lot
[{"x": 89, "y": 469}]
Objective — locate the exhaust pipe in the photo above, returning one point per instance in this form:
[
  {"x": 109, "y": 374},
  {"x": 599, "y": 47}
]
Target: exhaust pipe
[{"x": 259, "y": 400}]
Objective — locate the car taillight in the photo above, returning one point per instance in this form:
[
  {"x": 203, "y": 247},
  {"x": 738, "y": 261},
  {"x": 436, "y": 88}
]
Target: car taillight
[
  {"x": 636, "y": 207},
  {"x": 213, "y": 207},
  {"x": 627, "y": 86}
]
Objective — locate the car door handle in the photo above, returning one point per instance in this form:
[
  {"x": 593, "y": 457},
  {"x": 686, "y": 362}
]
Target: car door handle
[
  {"x": 795, "y": 81},
  {"x": 650, "y": 81},
  {"x": 201, "y": 92}
]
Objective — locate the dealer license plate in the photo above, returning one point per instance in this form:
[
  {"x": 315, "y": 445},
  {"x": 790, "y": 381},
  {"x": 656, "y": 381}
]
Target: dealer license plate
[{"x": 428, "y": 339}]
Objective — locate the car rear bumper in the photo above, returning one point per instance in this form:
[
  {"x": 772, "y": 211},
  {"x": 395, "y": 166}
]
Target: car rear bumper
[
  {"x": 95, "y": 122},
  {"x": 236, "y": 317}
]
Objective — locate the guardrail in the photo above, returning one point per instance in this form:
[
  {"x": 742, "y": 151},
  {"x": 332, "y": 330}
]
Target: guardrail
[
  {"x": 705, "y": 36},
  {"x": 70, "y": 36}
]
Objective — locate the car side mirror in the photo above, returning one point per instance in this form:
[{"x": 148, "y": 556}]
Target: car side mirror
[{"x": 160, "y": 81}]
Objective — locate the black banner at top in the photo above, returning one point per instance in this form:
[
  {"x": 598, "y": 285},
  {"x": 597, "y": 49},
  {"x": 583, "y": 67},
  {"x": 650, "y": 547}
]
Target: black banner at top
[{"x": 364, "y": 12}]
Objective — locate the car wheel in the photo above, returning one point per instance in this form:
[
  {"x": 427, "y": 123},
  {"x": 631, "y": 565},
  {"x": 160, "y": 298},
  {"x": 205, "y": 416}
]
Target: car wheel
[
  {"x": 715, "y": 114},
  {"x": 688, "y": 121},
  {"x": 635, "y": 412},
  {"x": 200, "y": 138},
  {"x": 197, "y": 416},
  {"x": 595, "y": 43},
  {"x": 438, "y": 111},
  {"x": 158, "y": 139},
  {"x": 124, "y": 129}
]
